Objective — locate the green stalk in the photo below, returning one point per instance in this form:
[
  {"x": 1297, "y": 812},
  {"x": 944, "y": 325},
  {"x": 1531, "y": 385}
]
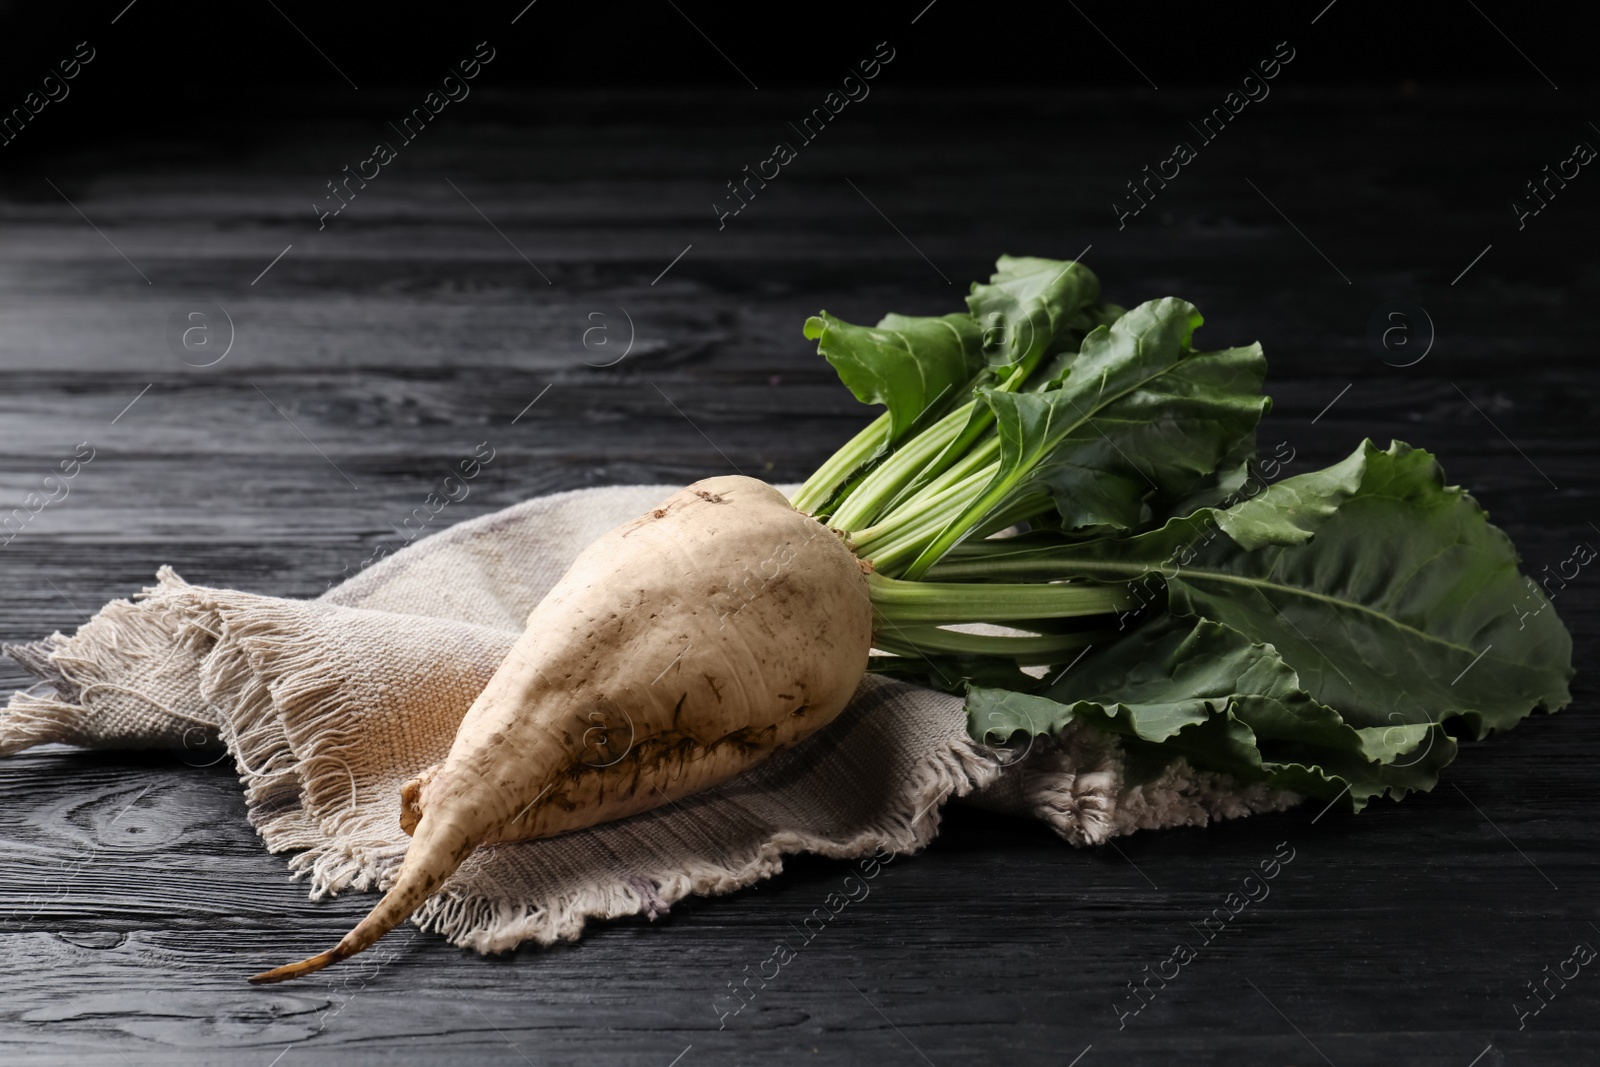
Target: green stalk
[
  {"x": 903, "y": 479},
  {"x": 905, "y": 535},
  {"x": 999, "y": 561},
  {"x": 1020, "y": 510},
  {"x": 889, "y": 553},
  {"x": 866, "y": 501},
  {"x": 889, "y": 558},
  {"x": 951, "y": 455},
  {"x": 953, "y": 534},
  {"x": 1023, "y": 648},
  {"x": 942, "y": 506},
  {"x": 959, "y": 448},
  {"x": 983, "y": 456},
  {"x": 896, "y": 602},
  {"x": 826, "y": 479}
]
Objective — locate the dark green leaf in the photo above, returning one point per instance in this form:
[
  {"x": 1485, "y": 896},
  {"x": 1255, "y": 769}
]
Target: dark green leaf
[
  {"x": 1388, "y": 592},
  {"x": 1204, "y": 691},
  {"x": 1158, "y": 443},
  {"x": 1027, "y": 305},
  {"x": 1404, "y": 601},
  {"x": 908, "y": 364}
]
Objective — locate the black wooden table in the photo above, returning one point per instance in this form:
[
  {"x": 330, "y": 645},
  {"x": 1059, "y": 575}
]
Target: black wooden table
[{"x": 487, "y": 286}]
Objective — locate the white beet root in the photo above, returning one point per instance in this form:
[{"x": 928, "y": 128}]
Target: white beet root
[{"x": 679, "y": 650}]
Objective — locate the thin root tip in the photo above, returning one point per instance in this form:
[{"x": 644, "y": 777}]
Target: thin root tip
[{"x": 296, "y": 970}]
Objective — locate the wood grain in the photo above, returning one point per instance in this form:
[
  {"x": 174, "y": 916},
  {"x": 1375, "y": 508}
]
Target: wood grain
[{"x": 135, "y": 896}]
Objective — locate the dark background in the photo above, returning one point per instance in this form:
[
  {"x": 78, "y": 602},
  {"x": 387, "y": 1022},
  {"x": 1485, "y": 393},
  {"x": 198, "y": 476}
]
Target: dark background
[
  {"x": 228, "y": 75},
  {"x": 450, "y": 304},
  {"x": 211, "y": 57}
]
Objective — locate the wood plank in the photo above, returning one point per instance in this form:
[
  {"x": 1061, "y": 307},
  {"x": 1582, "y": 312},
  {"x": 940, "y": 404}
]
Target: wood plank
[{"x": 133, "y": 895}]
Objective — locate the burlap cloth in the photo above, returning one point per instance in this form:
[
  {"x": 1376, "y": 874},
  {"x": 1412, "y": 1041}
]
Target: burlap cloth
[{"x": 327, "y": 706}]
